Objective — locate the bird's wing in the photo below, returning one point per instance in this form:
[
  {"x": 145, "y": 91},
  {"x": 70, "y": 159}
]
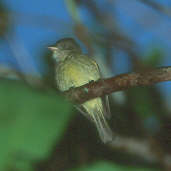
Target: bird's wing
[{"x": 105, "y": 100}]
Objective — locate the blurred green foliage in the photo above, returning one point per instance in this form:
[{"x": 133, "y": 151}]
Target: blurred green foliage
[
  {"x": 102, "y": 166},
  {"x": 146, "y": 108},
  {"x": 154, "y": 57},
  {"x": 143, "y": 103},
  {"x": 31, "y": 122}
]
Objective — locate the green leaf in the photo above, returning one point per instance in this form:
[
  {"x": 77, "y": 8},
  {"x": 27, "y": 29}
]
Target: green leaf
[
  {"x": 101, "y": 166},
  {"x": 31, "y": 123}
]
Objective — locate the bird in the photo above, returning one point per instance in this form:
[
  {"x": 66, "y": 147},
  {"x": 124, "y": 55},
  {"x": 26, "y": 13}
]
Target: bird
[{"x": 74, "y": 69}]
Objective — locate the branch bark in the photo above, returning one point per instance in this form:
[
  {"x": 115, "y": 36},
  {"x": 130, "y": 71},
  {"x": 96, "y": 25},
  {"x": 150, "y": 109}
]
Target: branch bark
[{"x": 107, "y": 86}]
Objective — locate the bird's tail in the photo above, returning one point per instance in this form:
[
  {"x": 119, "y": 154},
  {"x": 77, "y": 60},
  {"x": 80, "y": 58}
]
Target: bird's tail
[
  {"x": 95, "y": 111},
  {"x": 103, "y": 128}
]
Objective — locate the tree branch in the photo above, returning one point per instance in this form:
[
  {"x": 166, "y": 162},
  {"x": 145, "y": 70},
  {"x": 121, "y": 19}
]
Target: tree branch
[{"x": 121, "y": 82}]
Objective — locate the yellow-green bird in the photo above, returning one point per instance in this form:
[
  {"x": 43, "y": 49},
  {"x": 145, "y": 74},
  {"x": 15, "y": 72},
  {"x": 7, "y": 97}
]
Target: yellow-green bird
[{"x": 74, "y": 69}]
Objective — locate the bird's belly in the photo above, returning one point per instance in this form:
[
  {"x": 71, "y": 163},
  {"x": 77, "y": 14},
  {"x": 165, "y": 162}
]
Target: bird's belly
[
  {"x": 79, "y": 75},
  {"x": 75, "y": 73}
]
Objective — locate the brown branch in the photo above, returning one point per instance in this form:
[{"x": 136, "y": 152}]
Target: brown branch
[{"x": 118, "y": 83}]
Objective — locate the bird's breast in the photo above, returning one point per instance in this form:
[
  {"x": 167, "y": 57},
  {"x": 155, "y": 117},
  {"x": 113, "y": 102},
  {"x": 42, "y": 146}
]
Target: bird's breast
[{"x": 75, "y": 73}]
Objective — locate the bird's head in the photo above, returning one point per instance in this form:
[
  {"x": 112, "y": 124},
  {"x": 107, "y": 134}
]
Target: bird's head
[{"x": 63, "y": 47}]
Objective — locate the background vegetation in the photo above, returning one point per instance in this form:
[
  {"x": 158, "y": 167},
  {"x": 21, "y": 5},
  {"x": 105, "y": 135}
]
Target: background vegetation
[{"x": 39, "y": 129}]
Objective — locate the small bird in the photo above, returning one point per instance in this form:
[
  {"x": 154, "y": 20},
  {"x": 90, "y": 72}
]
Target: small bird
[{"x": 74, "y": 69}]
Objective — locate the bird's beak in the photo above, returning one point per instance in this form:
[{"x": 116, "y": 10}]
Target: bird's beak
[{"x": 52, "y": 48}]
